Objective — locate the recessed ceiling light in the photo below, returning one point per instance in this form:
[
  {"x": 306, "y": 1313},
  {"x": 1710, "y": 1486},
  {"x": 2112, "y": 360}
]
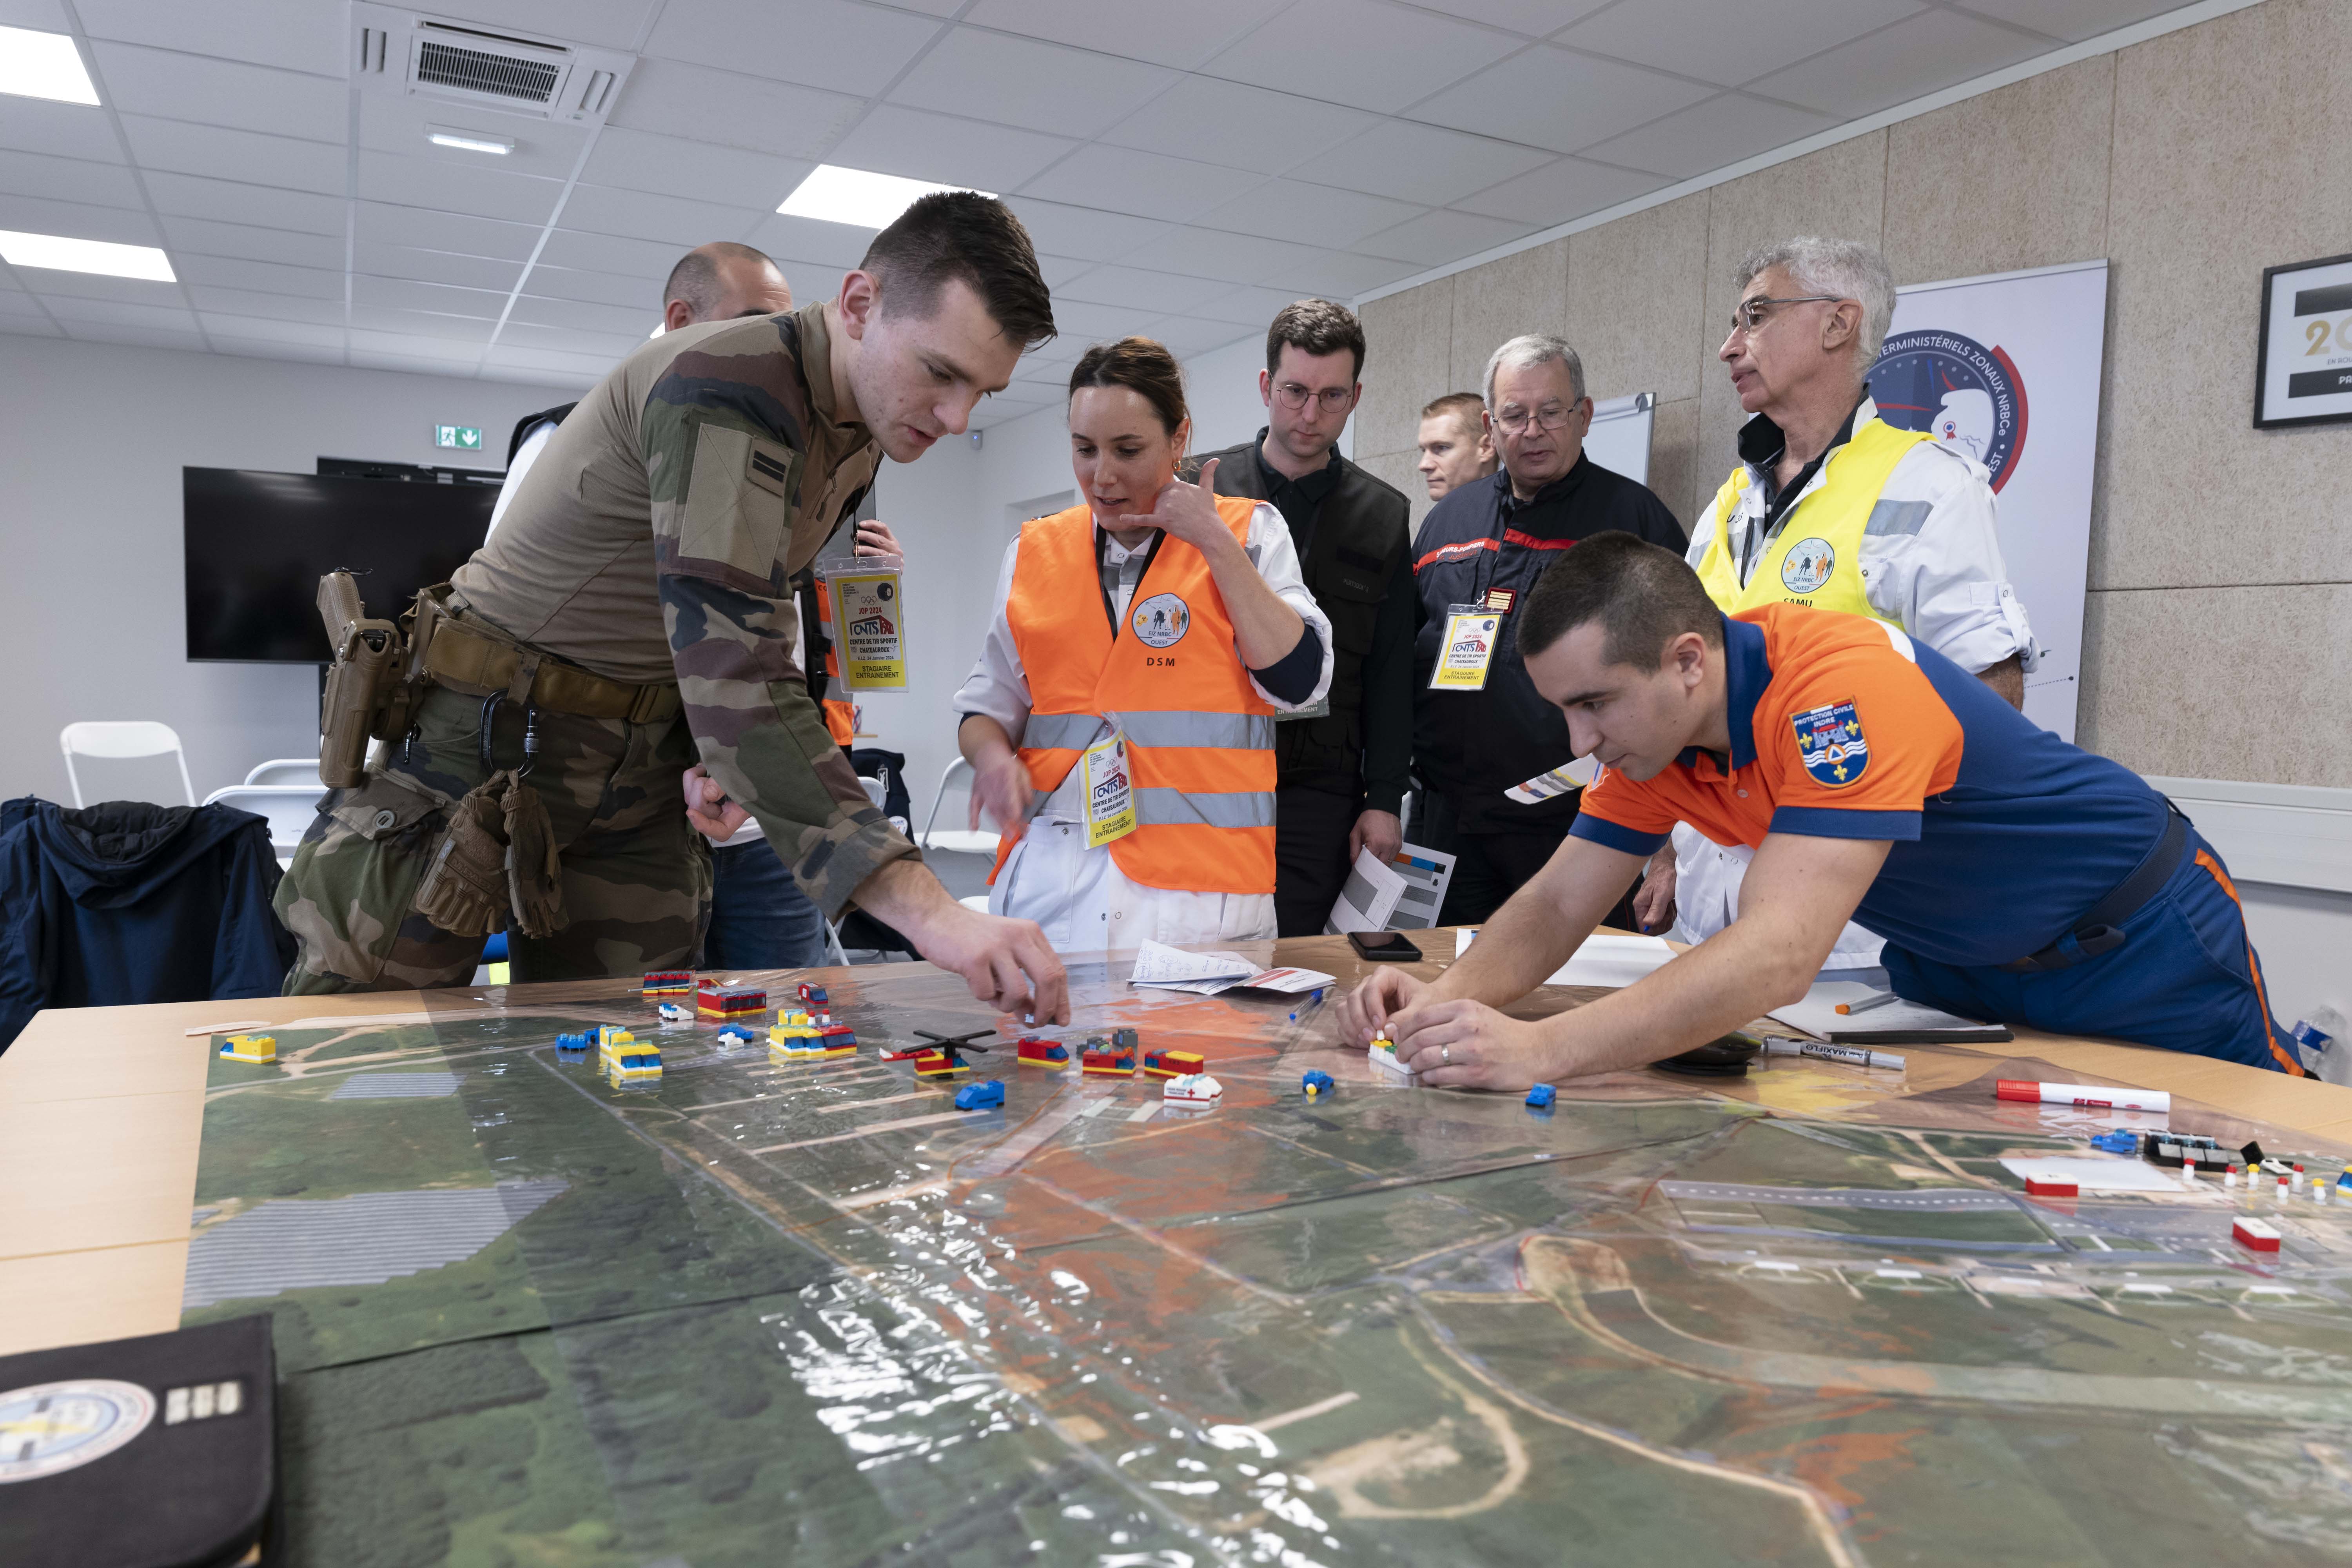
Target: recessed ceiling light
[
  {"x": 855, "y": 197},
  {"x": 43, "y": 64},
  {"x": 468, "y": 141},
  {"x": 58, "y": 254}
]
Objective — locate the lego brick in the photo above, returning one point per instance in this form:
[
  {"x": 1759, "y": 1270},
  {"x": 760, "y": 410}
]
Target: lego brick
[
  {"x": 981, "y": 1096},
  {"x": 1171, "y": 1064},
  {"x": 252, "y": 1048},
  {"x": 1037, "y": 1052},
  {"x": 713, "y": 1000},
  {"x": 675, "y": 1013},
  {"x": 808, "y": 992},
  {"x": 669, "y": 982},
  {"x": 1099, "y": 1058},
  {"x": 1383, "y": 1055},
  {"x": 938, "y": 1064},
  {"x": 2253, "y": 1233},
  {"x": 1542, "y": 1096},
  {"x": 2036, "y": 1187},
  {"x": 1316, "y": 1083},
  {"x": 1192, "y": 1088}
]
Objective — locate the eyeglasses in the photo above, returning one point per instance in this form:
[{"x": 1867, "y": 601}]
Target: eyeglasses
[
  {"x": 1550, "y": 417},
  {"x": 1749, "y": 315},
  {"x": 1333, "y": 399}
]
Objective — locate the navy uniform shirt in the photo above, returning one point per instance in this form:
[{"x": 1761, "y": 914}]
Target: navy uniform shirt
[{"x": 1474, "y": 745}]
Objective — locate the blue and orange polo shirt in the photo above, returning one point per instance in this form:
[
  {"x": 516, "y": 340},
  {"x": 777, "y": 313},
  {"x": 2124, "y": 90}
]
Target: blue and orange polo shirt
[{"x": 1841, "y": 727}]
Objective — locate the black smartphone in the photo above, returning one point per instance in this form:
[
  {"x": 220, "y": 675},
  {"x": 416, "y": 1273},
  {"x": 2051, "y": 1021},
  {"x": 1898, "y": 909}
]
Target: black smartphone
[{"x": 1383, "y": 947}]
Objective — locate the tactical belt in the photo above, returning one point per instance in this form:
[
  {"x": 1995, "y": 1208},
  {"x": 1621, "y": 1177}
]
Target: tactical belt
[
  {"x": 2102, "y": 931},
  {"x": 464, "y": 657}
]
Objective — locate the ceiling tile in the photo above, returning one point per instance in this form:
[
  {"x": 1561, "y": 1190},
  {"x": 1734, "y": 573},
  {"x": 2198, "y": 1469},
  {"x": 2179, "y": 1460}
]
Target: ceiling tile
[
  {"x": 78, "y": 220},
  {"x": 641, "y": 214},
  {"x": 818, "y": 43},
  {"x": 1335, "y": 274},
  {"x": 574, "y": 315},
  {"x": 641, "y": 160},
  {"x": 1312, "y": 215},
  {"x": 267, "y": 330},
  {"x": 1563, "y": 189},
  {"x": 1077, "y": 319},
  {"x": 1084, "y": 232},
  {"x": 611, "y": 253},
  {"x": 132, "y": 336},
  {"x": 1234, "y": 257},
  {"x": 523, "y": 376},
  {"x": 30, "y": 327},
  {"x": 1188, "y": 335},
  {"x": 894, "y": 140},
  {"x": 1237, "y": 125},
  {"x": 1136, "y": 288},
  {"x": 88, "y": 286},
  {"x": 233, "y": 201},
  {"x": 1932, "y": 50},
  {"x": 293, "y": 35},
  {"x": 1693, "y": 38},
  {"x": 182, "y": 148},
  {"x": 2072, "y": 20},
  {"x": 1711, "y": 135},
  {"x": 201, "y": 236},
  {"x": 1374, "y": 56},
  {"x": 1145, "y": 185},
  {"x": 274, "y": 307},
  {"x": 394, "y": 331},
  {"x": 434, "y": 266},
  {"x": 1058, "y": 270},
  {"x": 1020, "y": 82},
  {"x": 446, "y": 231},
  {"x": 1248, "y": 306},
  {"x": 68, "y": 180},
  {"x": 1550, "y": 98},
  {"x": 225, "y": 343},
  {"x": 808, "y": 239},
  {"x": 222, "y": 92},
  {"x": 1532, "y": 18},
  {"x": 1133, "y": 29},
  {"x": 41, "y": 16},
  {"x": 550, "y": 359},
  {"x": 1418, "y": 163},
  {"x": 734, "y": 110},
  {"x": 373, "y": 358},
  {"x": 17, "y": 302},
  {"x": 435, "y": 298},
  {"x": 448, "y": 187},
  {"x": 122, "y": 313},
  {"x": 403, "y": 126},
  {"x": 1438, "y": 237},
  {"x": 610, "y": 347},
  {"x": 60, "y": 130},
  {"x": 262, "y": 276},
  {"x": 642, "y": 294}
]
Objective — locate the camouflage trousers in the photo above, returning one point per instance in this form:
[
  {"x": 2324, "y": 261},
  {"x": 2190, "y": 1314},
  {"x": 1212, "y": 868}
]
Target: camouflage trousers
[{"x": 635, "y": 876}]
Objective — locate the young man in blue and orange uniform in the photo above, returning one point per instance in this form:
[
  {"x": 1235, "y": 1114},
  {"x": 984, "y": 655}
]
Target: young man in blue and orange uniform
[{"x": 2014, "y": 877}]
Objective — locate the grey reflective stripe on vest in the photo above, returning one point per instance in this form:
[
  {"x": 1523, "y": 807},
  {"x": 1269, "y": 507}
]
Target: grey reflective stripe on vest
[
  {"x": 1896, "y": 518},
  {"x": 1227, "y": 732},
  {"x": 1180, "y": 808},
  {"x": 835, "y": 692},
  {"x": 1060, "y": 732}
]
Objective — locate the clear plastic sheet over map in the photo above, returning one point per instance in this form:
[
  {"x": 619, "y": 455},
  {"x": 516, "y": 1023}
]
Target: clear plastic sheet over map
[{"x": 814, "y": 1314}]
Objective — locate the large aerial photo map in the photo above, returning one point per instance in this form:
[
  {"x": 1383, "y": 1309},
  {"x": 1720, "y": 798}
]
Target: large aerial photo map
[{"x": 529, "y": 1312}]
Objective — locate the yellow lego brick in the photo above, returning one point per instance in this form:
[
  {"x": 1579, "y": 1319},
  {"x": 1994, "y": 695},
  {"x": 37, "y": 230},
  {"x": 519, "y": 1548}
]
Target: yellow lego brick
[{"x": 251, "y": 1048}]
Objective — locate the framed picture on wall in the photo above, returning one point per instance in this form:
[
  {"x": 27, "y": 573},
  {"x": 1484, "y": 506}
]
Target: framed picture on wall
[{"x": 2303, "y": 361}]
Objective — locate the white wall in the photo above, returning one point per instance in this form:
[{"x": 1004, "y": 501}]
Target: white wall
[{"x": 92, "y": 619}]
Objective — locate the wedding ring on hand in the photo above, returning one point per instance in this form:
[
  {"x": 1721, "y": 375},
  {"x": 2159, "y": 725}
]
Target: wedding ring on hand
[{"x": 1445, "y": 1055}]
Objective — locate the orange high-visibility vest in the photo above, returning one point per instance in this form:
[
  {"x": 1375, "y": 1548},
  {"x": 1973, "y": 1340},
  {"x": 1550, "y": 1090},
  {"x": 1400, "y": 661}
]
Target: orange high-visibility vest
[
  {"x": 1200, "y": 738},
  {"x": 839, "y": 709}
]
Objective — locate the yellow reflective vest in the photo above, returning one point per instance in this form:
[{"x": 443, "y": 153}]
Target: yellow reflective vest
[{"x": 1815, "y": 557}]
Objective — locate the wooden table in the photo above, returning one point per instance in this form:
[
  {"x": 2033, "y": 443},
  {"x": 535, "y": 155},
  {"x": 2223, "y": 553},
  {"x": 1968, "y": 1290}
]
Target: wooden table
[{"x": 101, "y": 1110}]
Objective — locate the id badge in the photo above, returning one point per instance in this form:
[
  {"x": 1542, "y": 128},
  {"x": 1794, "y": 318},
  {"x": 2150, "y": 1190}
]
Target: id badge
[
  {"x": 1471, "y": 632},
  {"x": 869, "y": 620},
  {"x": 1110, "y": 797}
]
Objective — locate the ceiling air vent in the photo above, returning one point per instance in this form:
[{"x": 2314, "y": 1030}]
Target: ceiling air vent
[{"x": 422, "y": 57}]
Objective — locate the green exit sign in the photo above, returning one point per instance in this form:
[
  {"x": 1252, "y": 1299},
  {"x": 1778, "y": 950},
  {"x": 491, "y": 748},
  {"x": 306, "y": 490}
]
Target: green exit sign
[{"x": 464, "y": 437}]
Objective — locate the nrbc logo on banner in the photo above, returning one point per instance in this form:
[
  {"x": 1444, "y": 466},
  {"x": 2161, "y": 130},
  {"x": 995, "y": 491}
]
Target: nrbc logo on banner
[{"x": 1967, "y": 396}]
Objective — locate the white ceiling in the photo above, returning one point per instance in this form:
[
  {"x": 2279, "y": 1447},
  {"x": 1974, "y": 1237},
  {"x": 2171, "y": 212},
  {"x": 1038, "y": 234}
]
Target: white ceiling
[{"x": 1186, "y": 166}]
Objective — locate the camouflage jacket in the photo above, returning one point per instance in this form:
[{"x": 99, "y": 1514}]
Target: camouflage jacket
[{"x": 654, "y": 540}]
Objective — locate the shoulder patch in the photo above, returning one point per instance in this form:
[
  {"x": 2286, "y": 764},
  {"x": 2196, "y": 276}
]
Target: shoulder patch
[{"x": 1831, "y": 744}]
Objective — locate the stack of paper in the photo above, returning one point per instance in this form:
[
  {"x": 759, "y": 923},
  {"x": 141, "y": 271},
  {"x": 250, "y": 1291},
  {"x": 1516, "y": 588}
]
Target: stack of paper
[
  {"x": 1604, "y": 959},
  {"x": 1163, "y": 968},
  {"x": 1818, "y": 1015},
  {"x": 1401, "y": 894}
]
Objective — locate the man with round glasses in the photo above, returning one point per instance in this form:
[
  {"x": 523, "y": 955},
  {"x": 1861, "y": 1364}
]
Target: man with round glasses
[
  {"x": 1479, "y": 724},
  {"x": 1833, "y": 507},
  {"x": 1343, "y": 762}
]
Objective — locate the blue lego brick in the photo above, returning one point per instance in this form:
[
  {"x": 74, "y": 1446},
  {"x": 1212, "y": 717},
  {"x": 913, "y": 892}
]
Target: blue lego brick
[
  {"x": 2118, "y": 1142},
  {"x": 980, "y": 1096},
  {"x": 1542, "y": 1096},
  {"x": 1316, "y": 1083}
]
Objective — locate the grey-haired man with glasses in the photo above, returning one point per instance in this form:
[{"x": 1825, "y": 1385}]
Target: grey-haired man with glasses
[{"x": 1483, "y": 728}]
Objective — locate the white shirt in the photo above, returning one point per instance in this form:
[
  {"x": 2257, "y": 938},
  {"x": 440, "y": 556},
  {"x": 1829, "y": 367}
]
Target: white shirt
[
  {"x": 1935, "y": 568},
  {"x": 999, "y": 687}
]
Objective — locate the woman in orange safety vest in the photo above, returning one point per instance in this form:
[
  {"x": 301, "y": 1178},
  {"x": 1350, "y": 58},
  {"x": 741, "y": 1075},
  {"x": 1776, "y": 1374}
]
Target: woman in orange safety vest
[{"x": 1120, "y": 720}]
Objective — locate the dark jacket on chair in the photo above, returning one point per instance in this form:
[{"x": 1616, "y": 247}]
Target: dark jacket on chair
[{"x": 128, "y": 902}]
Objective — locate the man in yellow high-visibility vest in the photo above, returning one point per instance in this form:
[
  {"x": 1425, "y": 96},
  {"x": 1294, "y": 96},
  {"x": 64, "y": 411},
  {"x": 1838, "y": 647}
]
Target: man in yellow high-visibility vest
[{"x": 1834, "y": 508}]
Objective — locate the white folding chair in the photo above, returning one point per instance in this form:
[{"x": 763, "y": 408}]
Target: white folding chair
[
  {"x": 290, "y": 809},
  {"x": 286, "y": 770},
  {"x": 121, "y": 740},
  {"x": 959, "y": 840}
]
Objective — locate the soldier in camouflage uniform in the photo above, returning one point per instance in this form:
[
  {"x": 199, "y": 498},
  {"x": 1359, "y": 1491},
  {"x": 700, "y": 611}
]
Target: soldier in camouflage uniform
[{"x": 633, "y": 611}]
